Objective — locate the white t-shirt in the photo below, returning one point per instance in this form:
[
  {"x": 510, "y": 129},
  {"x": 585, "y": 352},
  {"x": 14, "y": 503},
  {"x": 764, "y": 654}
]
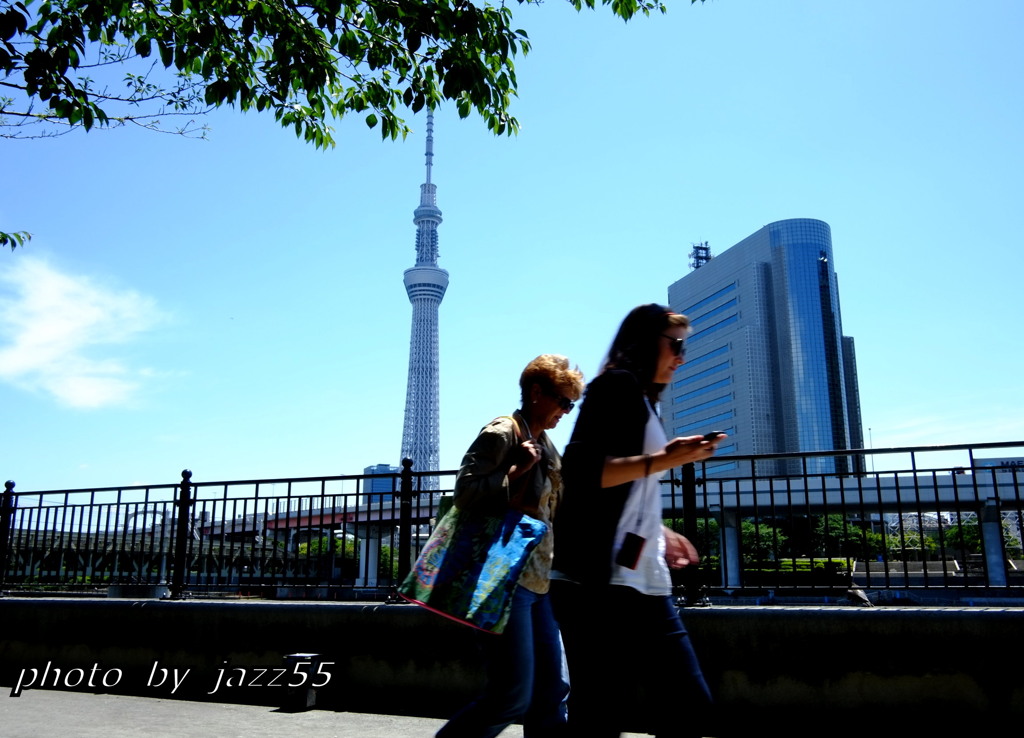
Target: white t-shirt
[{"x": 642, "y": 515}]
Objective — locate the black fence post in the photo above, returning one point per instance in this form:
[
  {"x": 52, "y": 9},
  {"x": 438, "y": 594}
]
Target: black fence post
[
  {"x": 7, "y": 507},
  {"x": 690, "y": 576},
  {"x": 181, "y": 538},
  {"x": 405, "y": 522}
]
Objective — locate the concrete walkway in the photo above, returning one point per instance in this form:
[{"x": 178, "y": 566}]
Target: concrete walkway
[
  {"x": 40, "y": 712},
  {"x": 83, "y": 715}
]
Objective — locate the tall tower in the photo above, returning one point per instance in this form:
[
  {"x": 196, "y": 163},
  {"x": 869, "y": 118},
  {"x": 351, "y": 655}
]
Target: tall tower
[{"x": 425, "y": 284}]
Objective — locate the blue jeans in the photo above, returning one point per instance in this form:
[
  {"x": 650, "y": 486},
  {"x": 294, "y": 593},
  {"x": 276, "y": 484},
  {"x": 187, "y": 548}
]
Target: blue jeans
[
  {"x": 526, "y": 676},
  {"x": 616, "y": 640}
]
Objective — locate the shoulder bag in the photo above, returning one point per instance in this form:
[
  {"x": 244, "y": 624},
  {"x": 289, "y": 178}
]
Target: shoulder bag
[{"x": 469, "y": 567}]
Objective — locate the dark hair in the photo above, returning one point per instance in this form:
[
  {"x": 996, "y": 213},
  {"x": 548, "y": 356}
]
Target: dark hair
[{"x": 636, "y": 348}]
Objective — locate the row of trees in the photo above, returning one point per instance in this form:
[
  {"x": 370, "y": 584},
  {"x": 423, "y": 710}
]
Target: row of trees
[
  {"x": 344, "y": 555},
  {"x": 834, "y": 537}
]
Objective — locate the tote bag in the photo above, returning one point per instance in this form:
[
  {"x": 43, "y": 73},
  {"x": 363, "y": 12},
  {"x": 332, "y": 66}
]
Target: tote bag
[{"x": 470, "y": 565}]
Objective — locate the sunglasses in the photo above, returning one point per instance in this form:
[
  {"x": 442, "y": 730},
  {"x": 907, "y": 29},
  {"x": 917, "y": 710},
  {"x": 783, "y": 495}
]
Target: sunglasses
[
  {"x": 563, "y": 402},
  {"x": 676, "y": 344}
]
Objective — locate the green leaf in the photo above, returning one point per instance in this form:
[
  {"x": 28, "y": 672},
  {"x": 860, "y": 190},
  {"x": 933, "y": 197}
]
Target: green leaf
[
  {"x": 166, "y": 53},
  {"x": 18, "y": 238}
]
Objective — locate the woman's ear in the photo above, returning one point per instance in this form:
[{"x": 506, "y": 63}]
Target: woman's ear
[{"x": 536, "y": 392}]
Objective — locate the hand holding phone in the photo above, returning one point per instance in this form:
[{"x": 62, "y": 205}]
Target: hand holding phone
[{"x": 687, "y": 449}]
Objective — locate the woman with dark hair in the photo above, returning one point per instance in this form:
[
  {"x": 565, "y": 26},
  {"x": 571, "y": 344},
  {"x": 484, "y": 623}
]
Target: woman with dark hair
[
  {"x": 512, "y": 463},
  {"x": 611, "y": 582}
]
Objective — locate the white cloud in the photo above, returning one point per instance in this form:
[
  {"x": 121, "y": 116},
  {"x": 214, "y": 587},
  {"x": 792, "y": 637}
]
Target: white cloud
[{"x": 53, "y": 327}]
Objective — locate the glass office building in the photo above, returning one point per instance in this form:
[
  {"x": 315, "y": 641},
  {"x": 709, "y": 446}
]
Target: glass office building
[
  {"x": 380, "y": 490},
  {"x": 766, "y": 360}
]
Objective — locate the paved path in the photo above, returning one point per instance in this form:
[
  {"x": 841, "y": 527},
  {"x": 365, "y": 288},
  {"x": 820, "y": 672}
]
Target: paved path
[{"x": 39, "y": 712}]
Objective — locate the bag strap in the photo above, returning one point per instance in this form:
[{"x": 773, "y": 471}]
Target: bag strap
[
  {"x": 517, "y": 430},
  {"x": 516, "y": 500}
]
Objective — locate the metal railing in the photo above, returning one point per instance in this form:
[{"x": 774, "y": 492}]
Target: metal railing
[
  {"x": 933, "y": 518},
  {"x": 312, "y": 537},
  {"x": 899, "y": 520}
]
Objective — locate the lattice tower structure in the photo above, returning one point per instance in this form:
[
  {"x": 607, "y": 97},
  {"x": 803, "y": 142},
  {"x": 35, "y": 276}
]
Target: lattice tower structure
[
  {"x": 700, "y": 255},
  {"x": 425, "y": 284}
]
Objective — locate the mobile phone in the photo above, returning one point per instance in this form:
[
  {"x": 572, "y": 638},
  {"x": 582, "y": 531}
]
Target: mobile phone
[
  {"x": 629, "y": 554},
  {"x": 713, "y": 435}
]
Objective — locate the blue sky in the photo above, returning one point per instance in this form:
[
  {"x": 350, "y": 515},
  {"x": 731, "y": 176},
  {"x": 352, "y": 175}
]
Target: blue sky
[{"x": 235, "y": 305}]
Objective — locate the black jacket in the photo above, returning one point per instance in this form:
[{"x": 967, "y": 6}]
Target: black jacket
[{"x": 611, "y": 422}]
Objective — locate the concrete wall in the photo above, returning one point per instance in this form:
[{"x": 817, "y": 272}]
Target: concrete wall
[{"x": 803, "y": 670}]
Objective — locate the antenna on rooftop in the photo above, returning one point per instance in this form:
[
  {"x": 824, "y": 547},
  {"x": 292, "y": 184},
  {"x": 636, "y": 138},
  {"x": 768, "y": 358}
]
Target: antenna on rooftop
[{"x": 700, "y": 255}]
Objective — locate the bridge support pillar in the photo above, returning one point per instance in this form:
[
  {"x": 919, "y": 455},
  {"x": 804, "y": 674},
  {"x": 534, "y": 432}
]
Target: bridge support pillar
[
  {"x": 369, "y": 556},
  {"x": 732, "y": 562},
  {"x": 992, "y": 541}
]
